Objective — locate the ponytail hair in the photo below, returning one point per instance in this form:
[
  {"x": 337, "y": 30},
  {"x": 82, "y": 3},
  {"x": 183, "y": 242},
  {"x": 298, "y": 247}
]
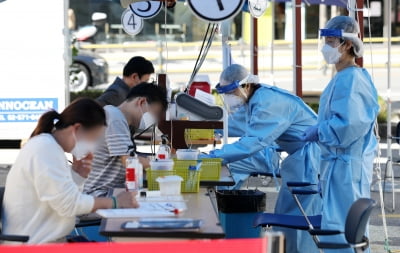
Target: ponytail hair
[
  {"x": 85, "y": 111},
  {"x": 46, "y": 123}
]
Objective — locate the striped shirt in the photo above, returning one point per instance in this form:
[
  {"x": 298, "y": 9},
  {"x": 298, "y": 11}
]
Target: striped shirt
[{"x": 108, "y": 171}]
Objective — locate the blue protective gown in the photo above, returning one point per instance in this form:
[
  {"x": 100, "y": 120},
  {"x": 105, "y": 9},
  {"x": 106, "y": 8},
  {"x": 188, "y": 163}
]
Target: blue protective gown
[
  {"x": 277, "y": 116},
  {"x": 347, "y": 112},
  {"x": 264, "y": 161}
]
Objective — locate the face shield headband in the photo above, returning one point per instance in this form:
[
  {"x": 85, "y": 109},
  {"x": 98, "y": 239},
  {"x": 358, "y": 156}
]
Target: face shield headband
[
  {"x": 236, "y": 84},
  {"x": 227, "y": 88},
  {"x": 336, "y": 33}
]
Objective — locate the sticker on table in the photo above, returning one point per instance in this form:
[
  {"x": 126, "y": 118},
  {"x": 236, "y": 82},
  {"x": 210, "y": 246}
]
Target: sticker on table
[
  {"x": 215, "y": 10},
  {"x": 146, "y": 9},
  {"x": 131, "y": 23},
  {"x": 258, "y": 7}
]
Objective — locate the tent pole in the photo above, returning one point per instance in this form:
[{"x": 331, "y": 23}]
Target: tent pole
[
  {"x": 226, "y": 51},
  {"x": 254, "y": 46},
  {"x": 226, "y": 62},
  {"x": 389, "y": 102},
  {"x": 360, "y": 19},
  {"x": 297, "y": 61},
  {"x": 272, "y": 42}
]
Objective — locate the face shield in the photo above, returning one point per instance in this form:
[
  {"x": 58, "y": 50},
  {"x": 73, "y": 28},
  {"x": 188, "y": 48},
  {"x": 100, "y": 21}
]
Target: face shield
[
  {"x": 232, "y": 101},
  {"x": 330, "y": 41}
]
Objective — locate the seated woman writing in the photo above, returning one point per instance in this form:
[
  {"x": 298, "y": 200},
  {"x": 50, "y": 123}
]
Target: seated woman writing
[{"x": 43, "y": 192}]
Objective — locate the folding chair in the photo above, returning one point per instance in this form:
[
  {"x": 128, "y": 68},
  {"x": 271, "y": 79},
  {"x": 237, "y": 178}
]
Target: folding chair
[
  {"x": 356, "y": 224},
  {"x": 11, "y": 238},
  {"x": 356, "y": 221},
  {"x": 301, "y": 222}
]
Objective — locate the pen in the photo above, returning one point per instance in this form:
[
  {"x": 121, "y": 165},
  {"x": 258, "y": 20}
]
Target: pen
[{"x": 172, "y": 208}]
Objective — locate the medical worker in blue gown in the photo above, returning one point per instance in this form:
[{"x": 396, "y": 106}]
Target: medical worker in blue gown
[
  {"x": 345, "y": 130},
  {"x": 265, "y": 161},
  {"x": 274, "y": 115}
]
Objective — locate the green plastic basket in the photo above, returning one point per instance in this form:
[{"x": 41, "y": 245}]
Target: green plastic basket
[
  {"x": 152, "y": 175},
  {"x": 199, "y": 134},
  {"x": 191, "y": 180},
  {"x": 210, "y": 169}
]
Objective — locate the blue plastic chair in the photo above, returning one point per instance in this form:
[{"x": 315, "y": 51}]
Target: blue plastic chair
[
  {"x": 356, "y": 224},
  {"x": 356, "y": 221},
  {"x": 301, "y": 222}
]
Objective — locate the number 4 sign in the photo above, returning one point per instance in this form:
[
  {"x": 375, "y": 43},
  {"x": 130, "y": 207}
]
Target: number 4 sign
[
  {"x": 131, "y": 23},
  {"x": 215, "y": 10}
]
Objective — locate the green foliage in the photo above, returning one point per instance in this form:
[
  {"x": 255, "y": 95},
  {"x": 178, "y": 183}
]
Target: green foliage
[
  {"x": 314, "y": 106},
  {"x": 382, "y": 116},
  {"x": 92, "y": 93}
]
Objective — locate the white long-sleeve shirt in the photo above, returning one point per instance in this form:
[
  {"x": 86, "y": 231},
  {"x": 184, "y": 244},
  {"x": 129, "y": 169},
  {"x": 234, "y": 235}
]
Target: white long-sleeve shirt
[{"x": 43, "y": 194}]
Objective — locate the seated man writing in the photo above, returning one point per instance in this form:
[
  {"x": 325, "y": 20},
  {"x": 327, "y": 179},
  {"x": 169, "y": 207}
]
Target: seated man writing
[{"x": 143, "y": 107}]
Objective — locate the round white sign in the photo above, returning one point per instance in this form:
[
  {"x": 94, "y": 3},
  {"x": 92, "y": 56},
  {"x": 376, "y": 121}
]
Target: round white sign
[
  {"x": 258, "y": 7},
  {"x": 215, "y": 10},
  {"x": 146, "y": 9},
  {"x": 131, "y": 23}
]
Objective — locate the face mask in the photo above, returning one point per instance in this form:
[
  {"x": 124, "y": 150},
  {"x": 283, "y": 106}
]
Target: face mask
[
  {"x": 146, "y": 121},
  {"x": 331, "y": 54},
  {"x": 82, "y": 148},
  {"x": 233, "y": 102}
]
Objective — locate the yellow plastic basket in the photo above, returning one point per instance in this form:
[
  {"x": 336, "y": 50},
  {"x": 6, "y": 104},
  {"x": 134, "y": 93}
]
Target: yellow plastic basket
[
  {"x": 191, "y": 180},
  {"x": 199, "y": 134},
  {"x": 152, "y": 175},
  {"x": 210, "y": 169}
]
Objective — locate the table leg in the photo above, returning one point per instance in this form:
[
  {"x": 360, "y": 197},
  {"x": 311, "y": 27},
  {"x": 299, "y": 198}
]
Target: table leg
[{"x": 213, "y": 199}]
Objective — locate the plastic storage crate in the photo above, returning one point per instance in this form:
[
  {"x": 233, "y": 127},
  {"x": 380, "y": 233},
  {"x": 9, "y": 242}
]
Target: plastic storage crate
[
  {"x": 199, "y": 134},
  {"x": 152, "y": 175},
  {"x": 191, "y": 179},
  {"x": 210, "y": 169}
]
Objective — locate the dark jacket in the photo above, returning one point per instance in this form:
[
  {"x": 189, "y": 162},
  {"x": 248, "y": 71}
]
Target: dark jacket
[{"x": 115, "y": 94}]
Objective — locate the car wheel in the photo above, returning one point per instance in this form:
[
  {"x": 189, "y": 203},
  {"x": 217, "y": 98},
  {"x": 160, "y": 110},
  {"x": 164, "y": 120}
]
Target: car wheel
[{"x": 79, "y": 77}]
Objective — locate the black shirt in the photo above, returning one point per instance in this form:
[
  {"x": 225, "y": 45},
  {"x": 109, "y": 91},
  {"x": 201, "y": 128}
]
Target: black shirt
[{"x": 115, "y": 94}]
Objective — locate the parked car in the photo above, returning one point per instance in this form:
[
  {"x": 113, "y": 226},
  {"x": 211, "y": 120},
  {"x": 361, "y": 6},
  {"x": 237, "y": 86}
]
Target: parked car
[{"x": 87, "y": 70}]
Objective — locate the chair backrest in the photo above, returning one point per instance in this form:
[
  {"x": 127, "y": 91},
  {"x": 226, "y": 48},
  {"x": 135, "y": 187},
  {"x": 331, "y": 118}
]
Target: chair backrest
[
  {"x": 357, "y": 219},
  {"x": 2, "y": 189},
  {"x": 397, "y": 139}
]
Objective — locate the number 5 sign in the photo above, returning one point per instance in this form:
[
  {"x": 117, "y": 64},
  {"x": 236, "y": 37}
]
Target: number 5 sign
[
  {"x": 146, "y": 9},
  {"x": 215, "y": 10},
  {"x": 131, "y": 23}
]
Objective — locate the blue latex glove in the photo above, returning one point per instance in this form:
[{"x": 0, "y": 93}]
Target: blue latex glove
[
  {"x": 204, "y": 156},
  {"x": 311, "y": 134}
]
